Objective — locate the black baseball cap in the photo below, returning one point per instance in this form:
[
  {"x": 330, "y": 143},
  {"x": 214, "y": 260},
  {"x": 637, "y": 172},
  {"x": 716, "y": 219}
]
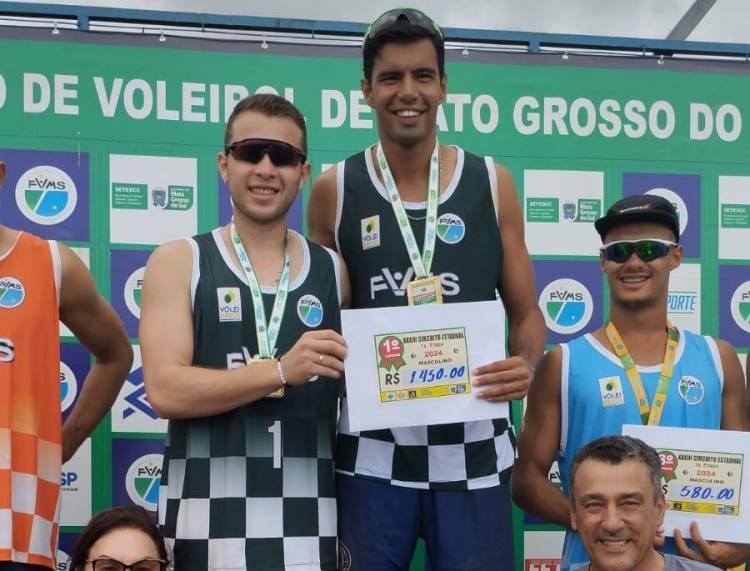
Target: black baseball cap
[{"x": 640, "y": 208}]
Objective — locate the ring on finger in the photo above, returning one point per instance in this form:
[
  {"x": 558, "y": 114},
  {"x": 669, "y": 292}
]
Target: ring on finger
[{"x": 320, "y": 358}]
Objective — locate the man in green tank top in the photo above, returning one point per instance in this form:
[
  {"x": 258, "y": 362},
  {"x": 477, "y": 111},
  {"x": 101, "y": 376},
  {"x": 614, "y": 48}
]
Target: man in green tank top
[
  {"x": 447, "y": 483},
  {"x": 241, "y": 352}
]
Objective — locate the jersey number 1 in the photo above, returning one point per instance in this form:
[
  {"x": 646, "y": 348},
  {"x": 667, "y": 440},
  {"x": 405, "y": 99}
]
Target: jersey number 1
[{"x": 275, "y": 430}]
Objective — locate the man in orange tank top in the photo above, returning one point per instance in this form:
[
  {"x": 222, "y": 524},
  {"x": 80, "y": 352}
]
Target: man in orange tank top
[{"x": 41, "y": 283}]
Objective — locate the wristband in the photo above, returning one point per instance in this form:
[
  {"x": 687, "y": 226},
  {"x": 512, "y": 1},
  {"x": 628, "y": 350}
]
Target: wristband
[
  {"x": 528, "y": 365},
  {"x": 282, "y": 376}
]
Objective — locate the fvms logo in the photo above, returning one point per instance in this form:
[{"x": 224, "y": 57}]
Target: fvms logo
[
  {"x": 142, "y": 481},
  {"x": 690, "y": 389},
  {"x": 396, "y": 282},
  {"x": 740, "y": 306},
  {"x": 310, "y": 310},
  {"x": 46, "y": 195},
  {"x": 567, "y": 305},
  {"x": 133, "y": 290},
  {"x": 370, "y": 232},
  {"x": 12, "y": 292},
  {"x": 68, "y": 387},
  {"x": 450, "y": 228},
  {"x": 230, "y": 305}
]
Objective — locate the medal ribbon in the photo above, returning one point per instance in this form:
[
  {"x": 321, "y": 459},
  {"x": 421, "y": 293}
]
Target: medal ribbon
[
  {"x": 421, "y": 263},
  {"x": 650, "y": 416},
  {"x": 267, "y": 332}
]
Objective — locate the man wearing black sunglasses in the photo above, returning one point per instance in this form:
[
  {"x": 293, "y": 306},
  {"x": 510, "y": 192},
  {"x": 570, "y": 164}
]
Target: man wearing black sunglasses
[
  {"x": 241, "y": 352},
  {"x": 447, "y": 483},
  {"x": 639, "y": 368}
]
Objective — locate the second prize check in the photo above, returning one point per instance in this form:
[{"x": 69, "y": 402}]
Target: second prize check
[{"x": 411, "y": 366}]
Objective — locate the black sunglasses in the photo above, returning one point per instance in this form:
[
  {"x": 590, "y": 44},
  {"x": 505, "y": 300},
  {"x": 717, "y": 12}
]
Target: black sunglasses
[
  {"x": 146, "y": 564},
  {"x": 409, "y": 15},
  {"x": 647, "y": 250},
  {"x": 252, "y": 150}
]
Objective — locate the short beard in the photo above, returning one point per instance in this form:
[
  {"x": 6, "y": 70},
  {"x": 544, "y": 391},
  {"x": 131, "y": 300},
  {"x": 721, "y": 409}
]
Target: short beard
[{"x": 635, "y": 304}]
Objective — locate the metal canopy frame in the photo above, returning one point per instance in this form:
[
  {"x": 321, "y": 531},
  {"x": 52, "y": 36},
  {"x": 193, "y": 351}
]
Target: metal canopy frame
[{"x": 83, "y": 16}]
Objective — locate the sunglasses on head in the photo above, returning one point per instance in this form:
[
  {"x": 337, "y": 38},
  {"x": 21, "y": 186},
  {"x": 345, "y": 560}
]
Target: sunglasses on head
[
  {"x": 146, "y": 564},
  {"x": 252, "y": 150},
  {"x": 409, "y": 15},
  {"x": 647, "y": 250}
]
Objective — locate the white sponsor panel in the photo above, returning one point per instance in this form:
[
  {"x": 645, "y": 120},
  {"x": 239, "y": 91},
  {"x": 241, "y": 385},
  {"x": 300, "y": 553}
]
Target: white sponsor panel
[
  {"x": 734, "y": 217},
  {"x": 684, "y": 298},
  {"x": 560, "y": 208},
  {"x": 75, "y": 483},
  {"x": 542, "y": 550},
  {"x": 85, "y": 255},
  {"x": 131, "y": 411},
  {"x": 152, "y": 199}
]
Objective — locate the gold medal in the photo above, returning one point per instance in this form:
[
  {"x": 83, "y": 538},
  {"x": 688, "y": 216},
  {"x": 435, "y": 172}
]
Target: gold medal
[
  {"x": 425, "y": 290},
  {"x": 278, "y": 393}
]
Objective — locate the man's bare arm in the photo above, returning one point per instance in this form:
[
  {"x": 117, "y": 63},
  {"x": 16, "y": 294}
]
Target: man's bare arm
[
  {"x": 96, "y": 325},
  {"x": 321, "y": 209},
  {"x": 175, "y": 388},
  {"x": 538, "y": 444},
  {"x": 733, "y": 413}
]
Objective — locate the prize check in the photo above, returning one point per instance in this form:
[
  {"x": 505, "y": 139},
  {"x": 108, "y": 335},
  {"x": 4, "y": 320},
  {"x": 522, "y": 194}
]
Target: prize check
[
  {"x": 411, "y": 366},
  {"x": 703, "y": 479}
]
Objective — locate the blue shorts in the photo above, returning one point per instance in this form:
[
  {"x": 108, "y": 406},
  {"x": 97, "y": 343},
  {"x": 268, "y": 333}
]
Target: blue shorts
[{"x": 466, "y": 530}]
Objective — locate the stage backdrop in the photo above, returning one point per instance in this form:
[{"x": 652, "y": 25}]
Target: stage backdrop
[{"x": 111, "y": 146}]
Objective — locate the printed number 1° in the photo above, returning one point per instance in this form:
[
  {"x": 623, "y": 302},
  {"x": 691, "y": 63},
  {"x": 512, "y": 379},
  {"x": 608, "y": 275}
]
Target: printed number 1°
[{"x": 275, "y": 430}]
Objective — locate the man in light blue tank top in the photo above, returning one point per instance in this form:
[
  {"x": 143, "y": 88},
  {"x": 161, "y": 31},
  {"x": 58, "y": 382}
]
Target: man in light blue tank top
[
  {"x": 584, "y": 389},
  {"x": 617, "y": 504}
]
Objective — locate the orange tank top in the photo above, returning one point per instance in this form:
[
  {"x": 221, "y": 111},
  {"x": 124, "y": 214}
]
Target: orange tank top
[{"x": 30, "y": 417}]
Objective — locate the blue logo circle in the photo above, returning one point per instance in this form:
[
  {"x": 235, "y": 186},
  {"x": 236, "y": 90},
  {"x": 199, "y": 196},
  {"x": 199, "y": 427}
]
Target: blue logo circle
[
  {"x": 450, "y": 228},
  {"x": 12, "y": 292},
  {"x": 691, "y": 390},
  {"x": 310, "y": 310}
]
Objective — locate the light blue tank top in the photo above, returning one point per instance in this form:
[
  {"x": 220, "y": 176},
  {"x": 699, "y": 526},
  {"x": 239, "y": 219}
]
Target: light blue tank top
[{"x": 596, "y": 400}]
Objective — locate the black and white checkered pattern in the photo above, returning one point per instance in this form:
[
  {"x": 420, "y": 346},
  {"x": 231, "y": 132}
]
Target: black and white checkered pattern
[
  {"x": 253, "y": 488},
  {"x": 237, "y": 507},
  {"x": 461, "y": 456}
]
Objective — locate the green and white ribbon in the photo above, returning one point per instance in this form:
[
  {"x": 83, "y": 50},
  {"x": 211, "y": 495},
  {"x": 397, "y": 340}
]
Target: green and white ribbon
[
  {"x": 267, "y": 332},
  {"x": 421, "y": 263}
]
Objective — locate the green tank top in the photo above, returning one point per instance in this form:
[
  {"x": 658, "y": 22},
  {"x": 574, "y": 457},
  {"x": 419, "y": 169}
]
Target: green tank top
[
  {"x": 468, "y": 258},
  {"x": 468, "y": 251},
  {"x": 262, "y": 472}
]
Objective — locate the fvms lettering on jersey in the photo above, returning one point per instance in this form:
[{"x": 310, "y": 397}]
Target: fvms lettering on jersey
[
  {"x": 7, "y": 350},
  {"x": 396, "y": 282},
  {"x": 239, "y": 359}
]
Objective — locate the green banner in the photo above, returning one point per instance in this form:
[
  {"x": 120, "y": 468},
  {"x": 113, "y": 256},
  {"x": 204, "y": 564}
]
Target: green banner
[{"x": 112, "y": 148}]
